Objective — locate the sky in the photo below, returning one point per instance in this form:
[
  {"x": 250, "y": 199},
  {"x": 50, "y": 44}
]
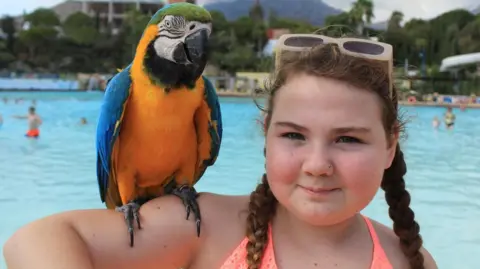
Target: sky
[{"x": 424, "y": 9}]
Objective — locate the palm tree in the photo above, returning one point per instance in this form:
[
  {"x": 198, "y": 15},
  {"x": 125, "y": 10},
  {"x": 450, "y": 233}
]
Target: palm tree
[
  {"x": 395, "y": 20},
  {"x": 361, "y": 13}
]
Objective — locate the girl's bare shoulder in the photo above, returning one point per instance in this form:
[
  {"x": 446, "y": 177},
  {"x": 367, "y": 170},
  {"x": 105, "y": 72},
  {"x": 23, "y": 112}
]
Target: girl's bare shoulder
[
  {"x": 217, "y": 211},
  {"x": 223, "y": 215},
  {"x": 391, "y": 246},
  {"x": 223, "y": 229},
  {"x": 167, "y": 238}
]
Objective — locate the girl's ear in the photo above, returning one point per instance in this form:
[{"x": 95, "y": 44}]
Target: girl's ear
[
  {"x": 392, "y": 148},
  {"x": 264, "y": 122}
]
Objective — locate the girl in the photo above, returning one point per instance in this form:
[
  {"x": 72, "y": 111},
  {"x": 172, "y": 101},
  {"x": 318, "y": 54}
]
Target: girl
[{"x": 331, "y": 129}]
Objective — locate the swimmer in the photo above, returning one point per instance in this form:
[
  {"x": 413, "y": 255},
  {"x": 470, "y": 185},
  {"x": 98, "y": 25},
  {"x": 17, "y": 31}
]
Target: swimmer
[
  {"x": 449, "y": 118},
  {"x": 34, "y": 122},
  {"x": 83, "y": 121},
  {"x": 435, "y": 122},
  {"x": 306, "y": 212}
]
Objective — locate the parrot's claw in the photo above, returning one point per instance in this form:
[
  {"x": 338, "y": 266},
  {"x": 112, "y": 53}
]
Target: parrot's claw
[
  {"x": 130, "y": 212},
  {"x": 189, "y": 197}
]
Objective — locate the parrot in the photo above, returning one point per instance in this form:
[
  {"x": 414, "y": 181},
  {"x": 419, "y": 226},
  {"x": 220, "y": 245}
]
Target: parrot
[{"x": 160, "y": 123}]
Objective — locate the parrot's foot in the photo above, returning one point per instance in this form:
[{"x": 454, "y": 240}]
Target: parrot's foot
[
  {"x": 130, "y": 211},
  {"x": 189, "y": 197}
]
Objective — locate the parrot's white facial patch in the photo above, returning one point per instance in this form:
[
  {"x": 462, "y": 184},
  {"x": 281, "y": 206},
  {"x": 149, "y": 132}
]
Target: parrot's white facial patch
[{"x": 172, "y": 31}]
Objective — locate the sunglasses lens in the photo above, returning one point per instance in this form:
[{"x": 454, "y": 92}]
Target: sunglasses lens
[
  {"x": 363, "y": 47},
  {"x": 302, "y": 42}
]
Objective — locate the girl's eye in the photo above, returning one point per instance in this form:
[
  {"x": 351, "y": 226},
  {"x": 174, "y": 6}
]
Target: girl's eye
[
  {"x": 293, "y": 136},
  {"x": 348, "y": 139}
]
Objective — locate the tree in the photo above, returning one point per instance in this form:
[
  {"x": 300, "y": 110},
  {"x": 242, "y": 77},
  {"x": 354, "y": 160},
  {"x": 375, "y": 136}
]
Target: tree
[
  {"x": 394, "y": 23},
  {"x": 361, "y": 13},
  {"x": 250, "y": 33},
  {"x": 133, "y": 27},
  {"x": 5, "y": 56},
  {"x": 7, "y": 25},
  {"x": 40, "y": 36},
  {"x": 80, "y": 28},
  {"x": 82, "y": 44},
  {"x": 256, "y": 13},
  {"x": 469, "y": 37},
  {"x": 341, "y": 24},
  {"x": 440, "y": 41}
]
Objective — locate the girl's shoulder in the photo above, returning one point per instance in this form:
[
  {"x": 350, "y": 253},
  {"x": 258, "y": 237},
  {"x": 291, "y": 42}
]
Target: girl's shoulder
[
  {"x": 391, "y": 245},
  {"x": 223, "y": 228},
  {"x": 167, "y": 238},
  {"x": 217, "y": 211},
  {"x": 222, "y": 212}
]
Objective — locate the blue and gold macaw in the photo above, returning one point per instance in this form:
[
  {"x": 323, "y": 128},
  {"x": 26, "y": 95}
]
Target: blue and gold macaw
[{"x": 160, "y": 125}]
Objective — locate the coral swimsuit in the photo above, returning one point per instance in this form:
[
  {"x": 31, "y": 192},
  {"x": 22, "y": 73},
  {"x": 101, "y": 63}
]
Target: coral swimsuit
[{"x": 237, "y": 259}]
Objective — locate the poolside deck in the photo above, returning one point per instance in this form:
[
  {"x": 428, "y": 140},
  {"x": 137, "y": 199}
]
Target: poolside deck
[
  {"x": 403, "y": 103},
  {"x": 249, "y": 95}
]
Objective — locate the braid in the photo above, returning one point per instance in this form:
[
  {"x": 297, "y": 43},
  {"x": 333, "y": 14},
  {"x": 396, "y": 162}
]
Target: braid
[
  {"x": 261, "y": 209},
  {"x": 398, "y": 199}
]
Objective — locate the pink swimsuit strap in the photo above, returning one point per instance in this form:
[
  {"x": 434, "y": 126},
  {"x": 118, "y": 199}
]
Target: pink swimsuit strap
[{"x": 238, "y": 260}]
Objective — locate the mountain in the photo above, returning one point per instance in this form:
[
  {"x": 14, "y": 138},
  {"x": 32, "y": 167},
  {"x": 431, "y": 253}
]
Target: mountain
[
  {"x": 382, "y": 25},
  {"x": 476, "y": 11},
  {"x": 312, "y": 11}
]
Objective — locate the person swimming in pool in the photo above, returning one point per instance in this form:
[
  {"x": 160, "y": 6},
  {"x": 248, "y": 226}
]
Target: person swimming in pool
[
  {"x": 449, "y": 118},
  {"x": 436, "y": 122},
  {"x": 83, "y": 121},
  {"x": 34, "y": 122}
]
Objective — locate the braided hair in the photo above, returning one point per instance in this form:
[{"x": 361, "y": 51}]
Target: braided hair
[{"x": 328, "y": 61}]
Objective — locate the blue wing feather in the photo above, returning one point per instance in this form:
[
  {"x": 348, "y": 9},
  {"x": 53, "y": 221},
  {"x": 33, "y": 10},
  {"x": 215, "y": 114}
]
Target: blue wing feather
[
  {"x": 213, "y": 102},
  {"x": 108, "y": 127}
]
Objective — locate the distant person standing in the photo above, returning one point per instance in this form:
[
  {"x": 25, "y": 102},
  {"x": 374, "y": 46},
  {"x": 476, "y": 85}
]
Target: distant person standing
[
  {"x": 449, "y": 118},
  {"x": 93, "y": 83},
  {"x": 34, "y": 122},
  {"x": 436, "y": 122}
]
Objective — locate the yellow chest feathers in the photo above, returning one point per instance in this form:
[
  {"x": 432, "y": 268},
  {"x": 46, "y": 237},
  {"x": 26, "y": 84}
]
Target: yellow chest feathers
[{"x": 151, "y": 100}]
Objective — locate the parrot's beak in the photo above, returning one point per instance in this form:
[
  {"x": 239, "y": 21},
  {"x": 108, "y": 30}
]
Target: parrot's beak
[{"x": 194, "y": 50}]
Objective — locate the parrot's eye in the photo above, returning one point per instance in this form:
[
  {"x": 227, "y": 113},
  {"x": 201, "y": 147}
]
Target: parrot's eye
[
  {"x": 192, "y": 26},
  {"x": 168, "y": 24}
]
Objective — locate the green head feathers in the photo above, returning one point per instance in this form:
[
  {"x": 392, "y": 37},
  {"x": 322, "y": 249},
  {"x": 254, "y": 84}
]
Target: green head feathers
[{"x": 189, "y": 11}]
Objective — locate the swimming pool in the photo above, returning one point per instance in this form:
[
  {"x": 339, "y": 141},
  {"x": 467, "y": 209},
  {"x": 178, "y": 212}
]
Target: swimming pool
[{"x": 57, "y": 172}]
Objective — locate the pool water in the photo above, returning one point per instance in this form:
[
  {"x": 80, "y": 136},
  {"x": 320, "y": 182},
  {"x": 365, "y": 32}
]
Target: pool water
[{"x": 57, "y": 171}]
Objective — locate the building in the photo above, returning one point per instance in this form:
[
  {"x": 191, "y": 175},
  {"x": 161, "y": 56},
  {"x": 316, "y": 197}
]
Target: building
[
  {"x": 110, "y": 12},
  {"x": 273, "y": 35}
]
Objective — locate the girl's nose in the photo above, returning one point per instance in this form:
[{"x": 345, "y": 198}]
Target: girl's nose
[{"x": 317, "y": 163}]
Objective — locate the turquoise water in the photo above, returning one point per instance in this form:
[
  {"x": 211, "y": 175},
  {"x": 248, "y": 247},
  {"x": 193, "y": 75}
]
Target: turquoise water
[{"x": 57, "y": 172}]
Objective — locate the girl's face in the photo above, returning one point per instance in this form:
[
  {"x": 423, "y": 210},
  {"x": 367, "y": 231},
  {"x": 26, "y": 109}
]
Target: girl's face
[{"x": 326, "y": 149}]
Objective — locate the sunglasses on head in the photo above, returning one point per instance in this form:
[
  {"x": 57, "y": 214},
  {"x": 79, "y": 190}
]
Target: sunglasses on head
[{"x": 351, "y": 46}]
